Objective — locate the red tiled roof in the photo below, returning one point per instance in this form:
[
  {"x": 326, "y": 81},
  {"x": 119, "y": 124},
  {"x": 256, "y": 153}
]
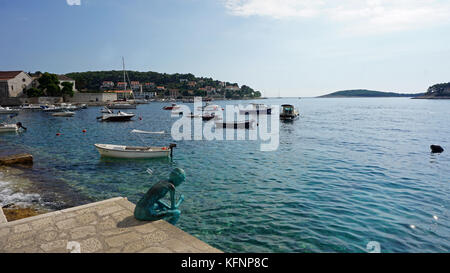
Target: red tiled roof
[{"x": 6, "y": 75}]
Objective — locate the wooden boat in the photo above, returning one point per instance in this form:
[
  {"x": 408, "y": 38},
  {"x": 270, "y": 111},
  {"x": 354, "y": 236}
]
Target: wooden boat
[
  {"x": 7, "y": 110},
  {"x": 64, "y": 114},
  {"x": 259, "y": 109},
  {"x": 119, "y": 116},
  {"x": 248, "y": 124},
  {"x": 121, "y": 151},
  {"x": 288, "y": 112},
  {"x": 172, "y": 107}
]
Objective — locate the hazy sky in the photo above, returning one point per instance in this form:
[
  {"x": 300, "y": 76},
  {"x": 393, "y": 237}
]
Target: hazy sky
[{"x": 292, "y": 47}]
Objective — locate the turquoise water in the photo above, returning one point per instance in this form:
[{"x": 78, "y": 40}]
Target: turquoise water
[{"x": 349, "y": 171}]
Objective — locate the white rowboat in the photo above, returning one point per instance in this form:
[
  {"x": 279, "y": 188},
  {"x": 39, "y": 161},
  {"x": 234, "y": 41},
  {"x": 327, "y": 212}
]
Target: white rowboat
[
  {"x": 8, "y": 128},
  {"x": 121, "y": 151}
]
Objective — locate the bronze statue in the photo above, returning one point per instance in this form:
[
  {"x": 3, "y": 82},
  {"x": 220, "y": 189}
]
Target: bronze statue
[{"x": 151, "y": 208}]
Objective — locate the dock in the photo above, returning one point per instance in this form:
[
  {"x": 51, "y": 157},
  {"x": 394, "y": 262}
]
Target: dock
[{"x": 103, "y": 227}]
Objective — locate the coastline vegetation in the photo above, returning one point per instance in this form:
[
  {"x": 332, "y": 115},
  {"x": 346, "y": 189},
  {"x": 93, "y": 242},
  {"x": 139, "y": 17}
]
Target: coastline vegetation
[{"x": 185, "y": 84}]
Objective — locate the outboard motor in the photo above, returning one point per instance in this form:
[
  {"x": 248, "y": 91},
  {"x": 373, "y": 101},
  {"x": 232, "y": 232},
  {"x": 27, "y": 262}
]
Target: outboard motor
[
  {"x": 19, "y": 124},
  {"x": 436, "y": 149}
]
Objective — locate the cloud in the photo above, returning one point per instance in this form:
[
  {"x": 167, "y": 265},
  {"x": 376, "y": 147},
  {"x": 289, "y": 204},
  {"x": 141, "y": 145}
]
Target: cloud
[
  {"x": 73, "y": 2},
  {"x": 355, "y": 15}
]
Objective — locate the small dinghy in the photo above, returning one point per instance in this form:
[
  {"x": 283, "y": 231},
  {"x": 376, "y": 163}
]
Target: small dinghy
[
  {"x": 121, "y": 151},
  {"x": 235, "y": 125},
  {"x": 147, "y": 132},
  {"x": 64, "y": 114},
  {"x": 122, "y": 106},
  {"x": 172, "y": 107},
  {"x": 7, "y": 128}
]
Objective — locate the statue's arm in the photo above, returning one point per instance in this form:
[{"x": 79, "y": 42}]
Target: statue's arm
[
  {"x": 172, "y": 198},
  {"x": 162, "y": 203},
  {"x": 179, "y": 201}
]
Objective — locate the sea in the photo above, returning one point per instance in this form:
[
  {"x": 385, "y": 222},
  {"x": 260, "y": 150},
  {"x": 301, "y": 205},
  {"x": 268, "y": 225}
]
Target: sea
[{"x": 348, "y": 175}]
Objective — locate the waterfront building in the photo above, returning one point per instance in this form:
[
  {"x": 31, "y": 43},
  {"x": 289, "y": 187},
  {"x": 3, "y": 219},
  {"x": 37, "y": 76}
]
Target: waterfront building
[{"x": 14, "y": 83}]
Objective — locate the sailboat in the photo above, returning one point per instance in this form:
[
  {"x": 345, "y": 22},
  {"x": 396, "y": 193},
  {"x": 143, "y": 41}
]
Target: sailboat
[{"x": 119, "y": 116}]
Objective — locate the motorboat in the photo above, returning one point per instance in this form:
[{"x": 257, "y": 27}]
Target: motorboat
[
  {"x": 174, "y": 106},
  {"x": 130, "y": 152},
  {"x": 119, "y": 116},
  {"x": 258, "y": 109},
  {"x": 68, "y": 107},
  {"x": 248, "y": 124},
  {"x": 7, "y": 110},
  {"x": 288, "y": 112},
  {"x": 64, "y": 114}
]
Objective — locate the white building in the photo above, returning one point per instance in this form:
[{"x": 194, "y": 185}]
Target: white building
[{"x": 63, "y": 78}]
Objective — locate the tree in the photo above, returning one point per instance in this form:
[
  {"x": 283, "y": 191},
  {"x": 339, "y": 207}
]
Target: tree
[
  {"x": 67, "y": 88},
  {"x": 34, "y": 92},
  {"x": 53, "y": 90}
]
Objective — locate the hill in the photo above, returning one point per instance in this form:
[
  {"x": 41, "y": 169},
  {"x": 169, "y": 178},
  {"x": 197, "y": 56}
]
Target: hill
[
  {"x": 186, "y": 84},
  {"x": 364, "y": 93},
  {"x": 437, "y": 91}
]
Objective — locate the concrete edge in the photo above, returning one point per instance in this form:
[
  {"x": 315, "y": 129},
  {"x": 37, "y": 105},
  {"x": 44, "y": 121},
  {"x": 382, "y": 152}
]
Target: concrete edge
[
  {"x": 2, "y": 217},
  {"x": 58, "y": 212}
]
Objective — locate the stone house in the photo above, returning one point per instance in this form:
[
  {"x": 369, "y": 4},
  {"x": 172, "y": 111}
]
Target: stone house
[{"x": 14, "y": 83}]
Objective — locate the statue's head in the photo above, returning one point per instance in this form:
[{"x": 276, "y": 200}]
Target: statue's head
[{"x": 177, "y": 176}]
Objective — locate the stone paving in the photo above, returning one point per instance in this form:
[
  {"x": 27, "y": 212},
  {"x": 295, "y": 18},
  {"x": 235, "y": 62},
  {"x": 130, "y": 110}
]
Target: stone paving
[{"x": 103, "y": 227}]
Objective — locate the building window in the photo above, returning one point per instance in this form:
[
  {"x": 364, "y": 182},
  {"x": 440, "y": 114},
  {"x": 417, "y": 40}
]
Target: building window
[{"x": 23, "y": 80}]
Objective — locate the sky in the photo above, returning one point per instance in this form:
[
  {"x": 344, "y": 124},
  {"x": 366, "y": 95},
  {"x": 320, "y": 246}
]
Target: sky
[{"x": 297, "y": 48}]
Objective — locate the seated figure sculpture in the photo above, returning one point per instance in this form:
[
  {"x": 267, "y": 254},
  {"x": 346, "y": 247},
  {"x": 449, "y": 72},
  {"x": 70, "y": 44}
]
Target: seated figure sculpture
[{"x": 152, "y": 208}]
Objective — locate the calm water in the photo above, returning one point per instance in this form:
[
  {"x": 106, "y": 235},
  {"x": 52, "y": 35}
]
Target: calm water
[{"x": 349, "y": 171}]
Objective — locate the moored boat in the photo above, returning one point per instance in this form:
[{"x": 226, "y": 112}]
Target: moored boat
[
  {"x": 130, "y": 152},
  {"x": 7, "y": 110},
  {"x": 259, "y": 109},
  {"x": 119, "y": 116},
  {"x": 122, "y": 106},
  {"x": 288, "y": 112},
  {"x": 248, "y": 124},
  {"x": 6, "y": 128},
  {"x": 174, "y": 106},
  {"x": 64, "y": 114}
]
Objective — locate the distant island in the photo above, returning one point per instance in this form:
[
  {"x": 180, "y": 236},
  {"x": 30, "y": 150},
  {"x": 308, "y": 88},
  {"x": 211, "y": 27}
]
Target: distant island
[
  {"x": 437, "y": 91},
  {"x": 364, "y": 93}
]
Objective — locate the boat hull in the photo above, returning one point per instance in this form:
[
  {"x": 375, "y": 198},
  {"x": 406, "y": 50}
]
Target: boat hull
[
  {"x": 9, "y": 128},
  {"x": 122, "y": 106},
  {"x": 115, "y": 151}
]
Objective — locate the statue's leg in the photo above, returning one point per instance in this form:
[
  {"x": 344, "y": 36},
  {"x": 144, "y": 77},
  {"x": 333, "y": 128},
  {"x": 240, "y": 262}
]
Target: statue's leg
[{"x": 173, "y": 216}]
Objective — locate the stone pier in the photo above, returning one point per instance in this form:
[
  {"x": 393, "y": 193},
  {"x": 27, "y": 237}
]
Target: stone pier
[{"x": 103, "y": 227}]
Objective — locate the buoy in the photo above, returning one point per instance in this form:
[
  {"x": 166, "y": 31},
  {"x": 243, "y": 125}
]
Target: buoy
[
  {"x": 140, "y": 118},
  {"x": 84, "y": 131},
  {"x": 58, "y": 134}
]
